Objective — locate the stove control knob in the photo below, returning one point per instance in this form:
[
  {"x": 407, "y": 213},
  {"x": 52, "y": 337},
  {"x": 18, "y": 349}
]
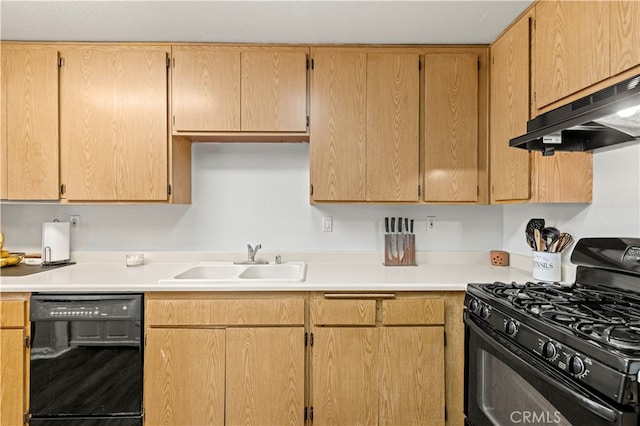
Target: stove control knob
[
  {"x": 511, "y": 328},
  {"x": 575, "y": 365},
  {"x": 549, "y": 350},
  {"x": 473, "y": 306},
  {"x": 485, "y": 312}
]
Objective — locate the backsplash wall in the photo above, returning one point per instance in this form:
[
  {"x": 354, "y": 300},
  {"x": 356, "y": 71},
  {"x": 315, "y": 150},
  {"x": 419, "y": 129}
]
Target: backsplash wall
[{"x": 251, "y": 193}]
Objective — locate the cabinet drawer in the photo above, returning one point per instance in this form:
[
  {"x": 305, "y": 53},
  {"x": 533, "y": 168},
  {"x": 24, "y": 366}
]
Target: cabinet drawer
[
  {"x": 12, "y": 313},
  {"x": 192, "y": 312},
  {"x": 343, "y": 312},
  {"x": 413, "y": 312}
]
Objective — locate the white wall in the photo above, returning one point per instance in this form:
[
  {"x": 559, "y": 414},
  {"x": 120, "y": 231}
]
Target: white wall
[
  {"x": 251, "y": 193},
  {"x": 614, "y": 212}
]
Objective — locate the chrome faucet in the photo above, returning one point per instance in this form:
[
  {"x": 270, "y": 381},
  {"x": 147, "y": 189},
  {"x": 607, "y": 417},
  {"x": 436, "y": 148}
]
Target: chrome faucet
[
  {"x": 251, "y": 256},
  {"x": 252, "y": 252}
]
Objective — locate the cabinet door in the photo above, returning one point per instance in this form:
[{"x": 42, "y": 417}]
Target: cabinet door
[
  {"x": 265, "y": 376},
  {"x": 565, "y": 177},
  {"x": 572, "y": 47},
  {"x": 338, "y": 126},
  {"x": 184, "y": 376},
  {"x": 113, "y": 123},
  {"x": 345, "y": 376},
  {"x": 30, "y": 123},
  {"x": 412, "y": 385},
  {"x": 393, "y": 120},
  {"x": 274, "y": 91},
  {"x": 12, "y": 386},
  {"x": 625, "y": 35},
  {"x": 451, "y": 127},
  {"x": 510, "y": 171},
  {"x": 206, "y": 88}
]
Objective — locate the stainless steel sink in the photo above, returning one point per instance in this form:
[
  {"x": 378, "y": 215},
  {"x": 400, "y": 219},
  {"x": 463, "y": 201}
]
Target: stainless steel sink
[{"x": 218, "y": 272}]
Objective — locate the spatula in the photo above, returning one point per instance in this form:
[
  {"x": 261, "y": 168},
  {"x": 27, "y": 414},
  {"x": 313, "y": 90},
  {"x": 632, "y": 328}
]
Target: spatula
[{"x": 531, "y": 225}]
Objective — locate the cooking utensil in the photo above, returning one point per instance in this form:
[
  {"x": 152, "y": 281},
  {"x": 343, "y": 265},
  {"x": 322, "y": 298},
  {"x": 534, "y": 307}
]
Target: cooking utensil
[
  {"x": 531, "y": 225},
  {"x": 549, "y": 235},
  {"x": 562, "y": 242},
  {"x": 538, "y": 243}
]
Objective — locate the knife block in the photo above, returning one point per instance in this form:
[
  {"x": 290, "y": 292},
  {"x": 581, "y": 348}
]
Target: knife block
[{"x": 400, "y": 250}]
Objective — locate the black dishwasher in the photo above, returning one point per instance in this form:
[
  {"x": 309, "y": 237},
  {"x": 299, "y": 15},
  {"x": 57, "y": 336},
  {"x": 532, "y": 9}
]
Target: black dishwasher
[{"x": 86, "y": 359}]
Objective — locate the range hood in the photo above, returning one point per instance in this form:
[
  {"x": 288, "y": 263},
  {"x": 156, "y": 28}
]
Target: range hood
[{"x": 607, "y": 117}]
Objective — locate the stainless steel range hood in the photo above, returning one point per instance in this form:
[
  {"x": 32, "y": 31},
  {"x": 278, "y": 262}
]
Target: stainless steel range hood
[{"x": 607, "y": 117}]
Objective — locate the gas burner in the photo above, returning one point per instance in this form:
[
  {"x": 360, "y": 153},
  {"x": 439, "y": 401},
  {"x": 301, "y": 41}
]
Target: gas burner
[{"x": 620, "y": 336}]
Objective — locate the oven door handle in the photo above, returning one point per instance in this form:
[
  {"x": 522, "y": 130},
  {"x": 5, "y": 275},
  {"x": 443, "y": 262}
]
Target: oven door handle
[{"x": 593, "y": 406}]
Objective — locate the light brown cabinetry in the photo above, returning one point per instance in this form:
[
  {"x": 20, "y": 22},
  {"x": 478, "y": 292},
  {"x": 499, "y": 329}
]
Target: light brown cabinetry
[
  {"x": 625, "y": 35},
  {"x": 365, "y": 125},
  {"x": 515, "y": 174},
  {"x": 510, "y": 110},
  {"x": 14, "y": 358},
  {"x": 392, "y": 351},
  {"x": 29, "y": 110},
  {"x": 239, "y": 89},
  {"x": 572, "y": 47},
  {"x": 241, "y": 359},
  {"x": 113, "y": 123},
  {"x": 451, "y": 127}
]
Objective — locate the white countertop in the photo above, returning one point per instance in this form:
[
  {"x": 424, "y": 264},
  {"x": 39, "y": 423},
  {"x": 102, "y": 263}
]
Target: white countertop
[{"x": 102, "y": 272}]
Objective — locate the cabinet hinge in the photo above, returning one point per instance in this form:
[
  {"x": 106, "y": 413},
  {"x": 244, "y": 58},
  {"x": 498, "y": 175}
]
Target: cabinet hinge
[
  {"x": 63, "y": 188},
  {"x": 308, "y": 121},
  {"x": 445, "y": 413},
  {"x": 305, "y": 414},
  {"x": 313, "y": 63},
  {"x": 419, "y": 65},
  {"x": 306, "y": 340},
  {"x": 311, "y": 344},
  {"x": 493, "y": 60},
  {"x": 311, "y": 189},
  {"x": 419, "y": 191},
  {"x": 60, "y": 62},
  {"x": 169, "y": 189},
  {"x": 478, "y": 65},
  {"x": 168, "y": 62},
  {"x": 311, "y": 414},
  {"x": 445, "y": 337},
  {"x": 27, "y": 342},
  {"x": 534, "y": 24},
  {"x": 308, "y": 62}
]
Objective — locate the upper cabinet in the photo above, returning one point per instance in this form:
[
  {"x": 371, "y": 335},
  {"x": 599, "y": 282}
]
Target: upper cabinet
[
  {"x": 451, "y": 127},
  {"x": 29, "y": 123},
  {"x": 510, "y": 172},
  {"x": 113, "y": 123},
  {"x": 572, "y": 47},
  {"x": 625, "y": 35},
  {"x": 365, "y": 126},
  {"x": 579, "y": 44},
  {"x": 230, "y": 90}
]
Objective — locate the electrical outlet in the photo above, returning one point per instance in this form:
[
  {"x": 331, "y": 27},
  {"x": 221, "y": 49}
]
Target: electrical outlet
[
  {"x": 327, "y": 224},
  {"x": 431, "y": 223},
  {"x": 74, "y": 219}
]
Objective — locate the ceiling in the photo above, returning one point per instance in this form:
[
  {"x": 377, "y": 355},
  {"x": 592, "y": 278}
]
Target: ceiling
[{"x": 310, "y": 21}]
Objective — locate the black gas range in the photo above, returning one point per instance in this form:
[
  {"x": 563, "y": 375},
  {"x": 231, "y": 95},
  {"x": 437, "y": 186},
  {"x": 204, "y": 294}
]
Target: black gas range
[{"x": 564, "y": 354}]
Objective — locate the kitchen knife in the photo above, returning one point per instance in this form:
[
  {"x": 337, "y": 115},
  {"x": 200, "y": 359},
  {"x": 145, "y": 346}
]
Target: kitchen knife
[
  {"x": 386, "y": 225},
  {"x": 393, "y": 224}
]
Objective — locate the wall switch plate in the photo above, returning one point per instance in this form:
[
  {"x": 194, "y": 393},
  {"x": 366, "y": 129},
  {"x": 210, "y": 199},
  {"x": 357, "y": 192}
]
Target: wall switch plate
[
  {"x": 327, "y": 224},
  {"x": 74, "y": 219},
  {"x": 431, "y": 223}
]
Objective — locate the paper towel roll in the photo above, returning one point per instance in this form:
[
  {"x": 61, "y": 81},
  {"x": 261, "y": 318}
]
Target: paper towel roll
[{"x": 55, "y": 242}]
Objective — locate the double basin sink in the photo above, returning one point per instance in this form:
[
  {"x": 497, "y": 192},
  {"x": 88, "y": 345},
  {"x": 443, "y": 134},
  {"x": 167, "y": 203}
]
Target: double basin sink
[{"x": 218, "y": 272}]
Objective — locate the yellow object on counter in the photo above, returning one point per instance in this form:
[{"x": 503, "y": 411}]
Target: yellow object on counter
[{"x": 12, "y": 259}]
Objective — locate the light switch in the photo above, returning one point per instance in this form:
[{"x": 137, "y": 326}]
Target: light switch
[{"x": 327, "y": 224}]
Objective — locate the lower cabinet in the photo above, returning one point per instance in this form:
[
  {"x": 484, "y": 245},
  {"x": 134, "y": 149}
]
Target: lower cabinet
[
  {"x": 377, "y": 361},
  {"x": 14, "y": 358},
  {"x": 216, "y": 360},
  {"x": 303, "y": 358}
]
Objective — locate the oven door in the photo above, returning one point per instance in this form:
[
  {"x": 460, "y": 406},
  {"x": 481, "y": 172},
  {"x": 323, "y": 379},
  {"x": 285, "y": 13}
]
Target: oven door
[{"x": 505, "y": 385}]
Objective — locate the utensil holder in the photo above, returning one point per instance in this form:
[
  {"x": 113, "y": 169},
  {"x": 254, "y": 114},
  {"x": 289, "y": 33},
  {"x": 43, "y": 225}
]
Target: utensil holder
[
  {"x": 399, "y": 250},
  {"x": 547, "y": 266}
]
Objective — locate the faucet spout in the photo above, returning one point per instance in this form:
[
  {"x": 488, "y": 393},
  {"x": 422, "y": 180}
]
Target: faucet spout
[{"x": 252, "y": 251}]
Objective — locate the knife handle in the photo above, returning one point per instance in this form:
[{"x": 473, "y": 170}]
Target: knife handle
[
  {"x": 400, "y": 225},
  {"x": 411, "y": 229},
  {"x": 393, "y": 224},
  {"x": 386, "y": 225}
]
